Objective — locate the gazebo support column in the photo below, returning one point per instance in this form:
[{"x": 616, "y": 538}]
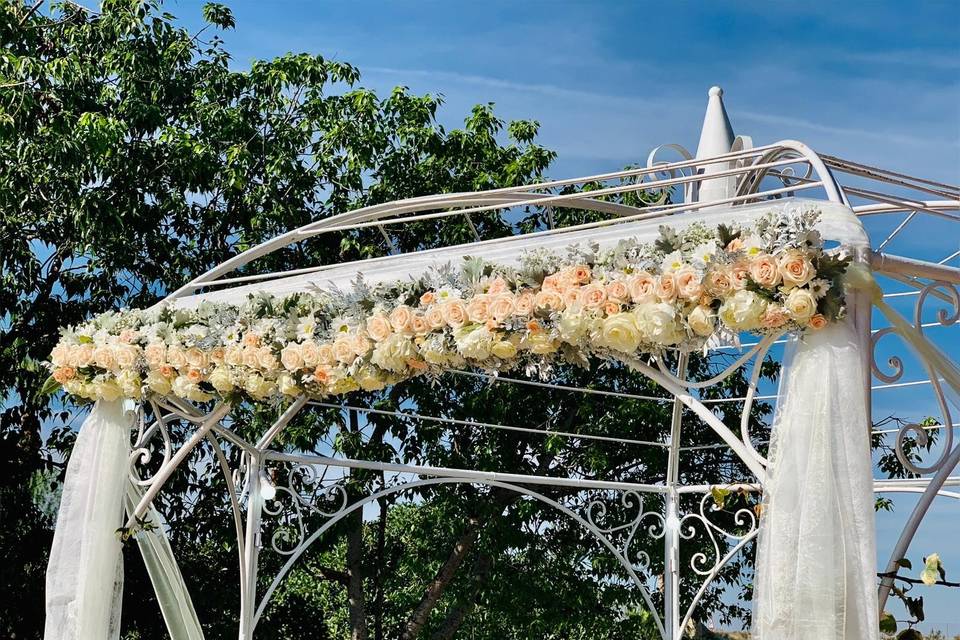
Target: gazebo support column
[
  {"x": 248, "y": 596},
  {"x": 671, "y": 530}
]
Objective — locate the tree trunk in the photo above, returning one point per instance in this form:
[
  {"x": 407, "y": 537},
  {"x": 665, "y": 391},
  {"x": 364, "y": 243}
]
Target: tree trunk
[
  {"x": 355, "y": 597},
  {"x": 455, "y": 617}
]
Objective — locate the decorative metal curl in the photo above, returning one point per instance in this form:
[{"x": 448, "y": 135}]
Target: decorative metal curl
[
  {"x": 596, "y": 512},
  {"x": 305, "y": 493},
  {"x": 945, "y": 317},
  {"x": 743, "y": 518},
  {"x": 142, "y": 453}
]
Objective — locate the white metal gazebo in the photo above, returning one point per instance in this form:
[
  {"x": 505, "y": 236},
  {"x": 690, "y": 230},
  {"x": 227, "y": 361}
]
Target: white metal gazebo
[{"x": 727, "y": 174}]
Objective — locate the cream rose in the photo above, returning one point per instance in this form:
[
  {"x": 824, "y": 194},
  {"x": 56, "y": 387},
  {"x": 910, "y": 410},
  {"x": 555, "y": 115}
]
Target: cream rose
[
  {"x": 103, "y": 357},
  {"x": 221, "y": 379},
  {"x": 60, "y": 355},
  {"x": 196, "y": 358},
  {"x": 81, "y": 355},
  {"x": 291, "y": 357},
  {"x": 801, "y": 305},
  {"x": 743, "y": 310},
  {"x": 392, "y": 354},
  {"x": 368, "y": 379},
  {"x": 796, "y": 268},
  {"x": 158, "y": 383},
  {"x": 434, "y": 317},
  {"x": 343, "y": 351},
  {"x": 502, "y": 307},
  {"x": 702, "y": 320},
  {"x": 689, "y": 285},
  {"x": 126, "y": 355},
  {"x": 620, "y": 332},
  {"x": 764, "y": 271},
  {"x": 524, "y": 304},
  {"x": 287, "y": 385},
  {"x": 401, "y": 318},
  {"x": 176, "y": 357},
  {"x": 572, "y": 326},
  {"x": 504, "y": 349},
  {"x": 476, "y": 344},
  {"x": 266, "y": 359},
  {"x": 310, "y": 353},
  {"x": 325, "y": 354},
  {"x": 455, "y": 313},
  {"x": 233, "y": 355},
  {"x": 539, "y": 343},
  {"x": 657, "y": 323}
]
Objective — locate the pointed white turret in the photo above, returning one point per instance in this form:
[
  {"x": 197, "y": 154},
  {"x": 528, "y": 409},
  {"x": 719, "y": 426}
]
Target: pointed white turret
[{"x": 716, "y": 138}]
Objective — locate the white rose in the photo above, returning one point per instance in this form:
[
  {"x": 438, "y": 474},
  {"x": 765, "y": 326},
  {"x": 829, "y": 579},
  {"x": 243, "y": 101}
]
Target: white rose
[
  {"x": 573, "y": 325},
  {"x": 702, "y": 320},
  {"x": 287, "y": 385},
  {"x": 291, "y": 358},
  {"x": 658, "y": 324},
  {"x": 392, "y": 354},
  {"x": 620, "y": 332},
  {"x": 476, "y": 344},
  {"x": 130, "y": 384},
  {"x": 743, "y": 311},
  {"x": 107, "y": 389},
  {"x": 158, "y": 384},
  {"x": 222, "y": 380},
  {"x": 801, "y": 305}
]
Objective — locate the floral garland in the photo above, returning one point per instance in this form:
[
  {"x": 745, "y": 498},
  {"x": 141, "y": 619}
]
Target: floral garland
[{"x": 770, "y": 276}]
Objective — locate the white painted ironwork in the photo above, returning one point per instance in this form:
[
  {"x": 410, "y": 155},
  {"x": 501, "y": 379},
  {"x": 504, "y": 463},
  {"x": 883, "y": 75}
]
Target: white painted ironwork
[{"x": 727, "y": 170}]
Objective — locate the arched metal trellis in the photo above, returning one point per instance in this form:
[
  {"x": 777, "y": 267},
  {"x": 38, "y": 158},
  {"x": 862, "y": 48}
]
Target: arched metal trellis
[{"x": 744, "y": 175}]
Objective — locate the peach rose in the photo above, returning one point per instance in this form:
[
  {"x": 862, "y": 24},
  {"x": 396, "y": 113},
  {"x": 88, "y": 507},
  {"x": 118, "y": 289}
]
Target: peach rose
[
  {"x": 581, "y": 274},
  {"x": 719, "y": 282},
  {"x": 194, "y": 375},
  {"x": 434, "y": 317},
  {"x": 735, "y": 245},
  {"x": 592, "y": 296},
  {"x": 167, "y": 371},
  {"x": 739, "y": 273},
  {"x": 817, "y": 322},
  {"x": 499, "y": 285},
  {"x": 551, "y": 283},
  {"x": 400, "y": 318},
  {"x": 251, "y": 339},
  {"x": 267, "y": 360},
  {"x": 534, "y": 327},
  {"x": 689, "y": 285},
  {"x": 502, "y": 307},
  {"x": 104, "y": 358},
  {"x": 360, "y": 344},
  {"x": 128, "y": 335},
  {"x": 666, "y": 288},
  {"x": 419, "y": 325},
  {"x": 549, "y": 300},
  {"x": 478, "y": 309},
  {"x": 250, "y": 358},
  {"x": 525, "y": 303},
  {"x": 610, "y": 307},
  {"x": 176, "y": 357},
  {"x": 196, "y": 358},
  {"x": 217, "y": 354},
  {"x": 428, "y": 298},
  {"x": 64, "y": 373},
  {"x": 126, "y": 356},
  {"x": 764, "y": 271},
  {"x": 322, "y": 374},
  {"x": 774, "y": 317},
  {"x": 343, "y": 351},
  {"x": 643, "y": 287},
  {"x": 455, "y": 313},
  {"x": 571, "y": 297},
  {"x": 796, "y": 268},
  {"x": 378, "y": 327},
  {"x": 81, "y": 355},
  {"x": 617, "y": 291}
]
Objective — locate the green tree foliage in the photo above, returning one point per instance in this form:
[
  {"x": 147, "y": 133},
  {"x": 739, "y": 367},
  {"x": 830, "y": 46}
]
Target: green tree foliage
[{"x": 132, "y": 158}]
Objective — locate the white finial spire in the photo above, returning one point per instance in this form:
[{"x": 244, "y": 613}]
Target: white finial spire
[{"x": 716, "y": 138}]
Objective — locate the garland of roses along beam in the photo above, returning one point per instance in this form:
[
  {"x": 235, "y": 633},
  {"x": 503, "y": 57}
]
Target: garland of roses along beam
[{"x": 555, "y": 307}]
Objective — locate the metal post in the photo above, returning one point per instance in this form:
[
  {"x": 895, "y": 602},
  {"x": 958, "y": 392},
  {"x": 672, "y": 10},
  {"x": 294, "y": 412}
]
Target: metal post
[
  {"x": 671, "y": 534},
  {"x": 248, "y": 595}
]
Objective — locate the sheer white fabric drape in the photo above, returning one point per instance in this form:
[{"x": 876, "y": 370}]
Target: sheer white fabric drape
[
  {"x": 85, "y": 570},
  {"x": 815, "y": 564}
]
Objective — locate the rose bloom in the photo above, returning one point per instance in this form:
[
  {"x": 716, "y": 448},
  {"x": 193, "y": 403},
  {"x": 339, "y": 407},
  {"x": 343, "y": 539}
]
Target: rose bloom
[
  {"x": 196, "y": 358},
  {"x": 738, "y": 275},
  {"x": 620, "y": 332},
  {"x": 343, "y": 351},
  {"x": 434, "y": 317},
  {"x": 534, "y": 327},
  {"x": 504, "y": 349},
  {"x": 539, "y": 343},
  {"x": 581, "y": 273},
  {"x": 592, "y": 296},
  {"x": 774, "y": 317},
  {"x": 420, "y": 325},
  {"x": 611, "y": 307},
  {"x": 796, "y": 268},
  {"x": 322, "y": 374},
  {"x": 428, "y": 298},
  {"x": 310, "y": 353},
  {"x": 176, "y": 356},
  {"x": 217, "y": 354},
  {"x": 478, "y": 308},
  {"x": 702, "y": 320},
  {"x": 617, "y": 291},
  {"x": 499, "y": 285},
  {"x": 571, "y": 297},
  {"x": 524, "y": 303},
  {"x": 360, "y": 344},
  {"x": 103, "y": 357},
  {"x": 167, "y": 371},
  {"x": 801, "y": 305},
  {"x": 688, "y": 283},
  {"x": 743, "y": 310},
  {"x": 642, "y": 287},
  {"x": 455, "y": 313},
  {"x": 60, "y": 354},
  {"x": 764, "y": 271},
  {"x": 251, "y": 339},
  {"x": 817, "y": 321},
  {"x": 194, "y": 375},
  {"x": 666, "y": 288},
  {"x": 657, "y": 323},
  {"x": 64, "y": 373},
  {"x": 233, "y": 355},
  {"x": 719, "y": 282},
  {"x": 291, "y": 358},
  {"x": 128, "y": 335},
  {"x": 735, "y": 245},
  {"x": 551, "y": 283},
  {"x": 502, "y": 307},
  {"x": 325, "y": 354},
  {"x": 267, "y": 360},
  {"x": 400, "y": 319},
  {"x": 81, "y": 355},
  {"x": 549, "y": 300},
  {"x": 250, "y": 358},
  {"x": 378, "y": 327}
]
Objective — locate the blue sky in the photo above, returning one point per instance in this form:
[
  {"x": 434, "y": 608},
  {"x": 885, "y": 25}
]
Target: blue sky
[{"x": 877, "y": 82}]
